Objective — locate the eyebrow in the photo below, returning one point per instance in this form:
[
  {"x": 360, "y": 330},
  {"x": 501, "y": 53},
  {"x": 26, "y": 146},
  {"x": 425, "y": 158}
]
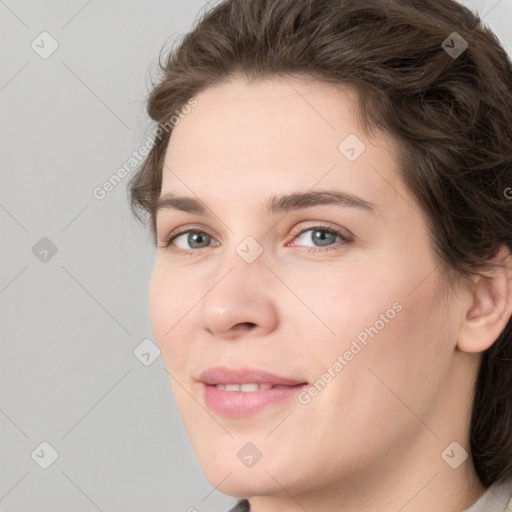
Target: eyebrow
[{"x": 274, "y": 205}]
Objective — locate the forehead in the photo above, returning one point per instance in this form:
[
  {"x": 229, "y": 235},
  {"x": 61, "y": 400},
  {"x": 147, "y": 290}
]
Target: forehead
[
  {"x": 274, "y": 136},
  {"x": 268, "y": 116}
]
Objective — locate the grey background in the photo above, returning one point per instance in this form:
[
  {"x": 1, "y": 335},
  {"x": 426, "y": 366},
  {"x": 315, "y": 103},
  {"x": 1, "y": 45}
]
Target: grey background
[{"x": 70, "y": 323}]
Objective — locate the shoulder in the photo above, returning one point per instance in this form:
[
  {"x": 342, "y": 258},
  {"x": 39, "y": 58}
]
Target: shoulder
[
  {"x": 503, "y": 493},
  {"x": 242, "y": 506},
  {"x": 497, "y": 498}
]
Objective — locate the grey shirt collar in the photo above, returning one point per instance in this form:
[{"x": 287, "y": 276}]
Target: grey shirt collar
[{"x": 498, "y": 498}]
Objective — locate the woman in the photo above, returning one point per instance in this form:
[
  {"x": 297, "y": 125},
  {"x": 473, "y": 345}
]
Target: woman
[{"x": 332, "y": 287}]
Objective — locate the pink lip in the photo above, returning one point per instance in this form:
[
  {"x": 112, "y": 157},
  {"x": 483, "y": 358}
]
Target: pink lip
[
  {"x": 223, "y": 375},
  {"x": 239, "y": 403}
]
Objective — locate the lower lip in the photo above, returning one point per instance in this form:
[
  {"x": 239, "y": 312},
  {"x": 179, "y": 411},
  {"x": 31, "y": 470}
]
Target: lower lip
[{"x": 245, "y": 403}]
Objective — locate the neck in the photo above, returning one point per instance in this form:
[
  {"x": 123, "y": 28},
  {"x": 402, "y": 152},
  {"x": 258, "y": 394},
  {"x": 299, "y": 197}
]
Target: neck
[{"x": 433, "y": 487}]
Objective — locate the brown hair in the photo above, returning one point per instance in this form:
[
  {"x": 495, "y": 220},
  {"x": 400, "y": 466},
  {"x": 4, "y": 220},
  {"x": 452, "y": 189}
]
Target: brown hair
[{"x": 450, "y": 114}]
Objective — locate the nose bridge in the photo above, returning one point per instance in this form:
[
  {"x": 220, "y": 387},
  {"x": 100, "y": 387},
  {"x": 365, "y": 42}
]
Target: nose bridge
[{"x": 243, "y": 259}]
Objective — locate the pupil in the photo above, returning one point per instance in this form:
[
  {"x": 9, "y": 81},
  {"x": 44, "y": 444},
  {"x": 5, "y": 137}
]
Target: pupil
[
  {"x": 192, "y": 238},
  {"x": 323, "y": 237}
]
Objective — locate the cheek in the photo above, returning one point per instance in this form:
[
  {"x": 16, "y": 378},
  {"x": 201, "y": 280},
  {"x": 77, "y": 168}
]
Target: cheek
[
  {"x": 378, "y": 323},
  {"x": 337, "y": 308},
  {"x": 168, "y": 307},
  {"x": 401, "y": 368},
  {"x": 160, "y": 306},
  {"x": 409, "y": 359}
]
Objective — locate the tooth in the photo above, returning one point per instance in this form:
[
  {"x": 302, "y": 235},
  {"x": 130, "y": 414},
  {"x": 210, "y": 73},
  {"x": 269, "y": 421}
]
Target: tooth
[{"x": 249, "y": 387}]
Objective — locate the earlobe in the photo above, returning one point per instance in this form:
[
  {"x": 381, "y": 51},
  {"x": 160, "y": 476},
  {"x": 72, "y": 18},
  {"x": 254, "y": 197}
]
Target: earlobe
[{"x": 490, "y": 309}]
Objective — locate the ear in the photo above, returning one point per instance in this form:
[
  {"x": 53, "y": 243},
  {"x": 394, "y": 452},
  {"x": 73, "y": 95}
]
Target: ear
[{"x": 490, "y": 306}]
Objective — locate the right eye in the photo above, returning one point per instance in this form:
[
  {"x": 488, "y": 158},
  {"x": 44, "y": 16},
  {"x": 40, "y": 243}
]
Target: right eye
[{"x": 193, "y": 238}]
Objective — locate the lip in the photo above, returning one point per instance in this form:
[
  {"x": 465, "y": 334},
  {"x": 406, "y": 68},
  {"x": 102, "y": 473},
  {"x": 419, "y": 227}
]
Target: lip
[
  {"x": 223, "y": 375},
  {"x": 239, "y": 403}
]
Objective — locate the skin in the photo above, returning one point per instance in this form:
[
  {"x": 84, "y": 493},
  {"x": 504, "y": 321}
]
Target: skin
[{"x": 372, "y": 438}]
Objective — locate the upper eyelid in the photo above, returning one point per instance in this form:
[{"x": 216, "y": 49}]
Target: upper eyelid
[{"x": 198, "y": 228}]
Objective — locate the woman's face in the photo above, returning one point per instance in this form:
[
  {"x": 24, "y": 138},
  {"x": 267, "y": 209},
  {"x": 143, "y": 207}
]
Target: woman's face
[{"x": 362, "y": 317}]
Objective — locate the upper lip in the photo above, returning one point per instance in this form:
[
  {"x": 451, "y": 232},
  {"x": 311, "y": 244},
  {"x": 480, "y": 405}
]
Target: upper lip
[{"x": 223, "y": 375}]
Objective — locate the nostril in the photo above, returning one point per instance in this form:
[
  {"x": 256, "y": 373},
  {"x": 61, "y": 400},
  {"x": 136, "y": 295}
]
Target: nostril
[{"x": 248, "y": 324}]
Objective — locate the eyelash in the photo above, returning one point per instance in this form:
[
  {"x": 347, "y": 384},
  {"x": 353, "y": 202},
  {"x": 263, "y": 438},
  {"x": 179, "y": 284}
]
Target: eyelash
[{"x": 345, "y": 239}]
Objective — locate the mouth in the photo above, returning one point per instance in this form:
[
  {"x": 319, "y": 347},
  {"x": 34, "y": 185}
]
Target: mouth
[
  {"x": 251, "y": 387},
  {"x": 241, "y": 400},
  {"x": 245, "y": 392}
]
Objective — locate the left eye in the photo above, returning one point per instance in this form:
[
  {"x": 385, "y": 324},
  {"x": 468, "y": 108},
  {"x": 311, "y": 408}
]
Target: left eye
[
  {"x": 193, "y": 237},
  {"x": 317, "y": 235},
  {"x": 325, "y": 236}
]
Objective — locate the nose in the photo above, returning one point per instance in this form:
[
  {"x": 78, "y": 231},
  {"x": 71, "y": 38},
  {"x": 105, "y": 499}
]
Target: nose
[{"x": 240, "y": 300}]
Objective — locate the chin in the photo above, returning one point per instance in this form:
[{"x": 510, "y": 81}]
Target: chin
[
  {"x": 222, "y": 464},
  {"x": 241, "y": 482}
]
